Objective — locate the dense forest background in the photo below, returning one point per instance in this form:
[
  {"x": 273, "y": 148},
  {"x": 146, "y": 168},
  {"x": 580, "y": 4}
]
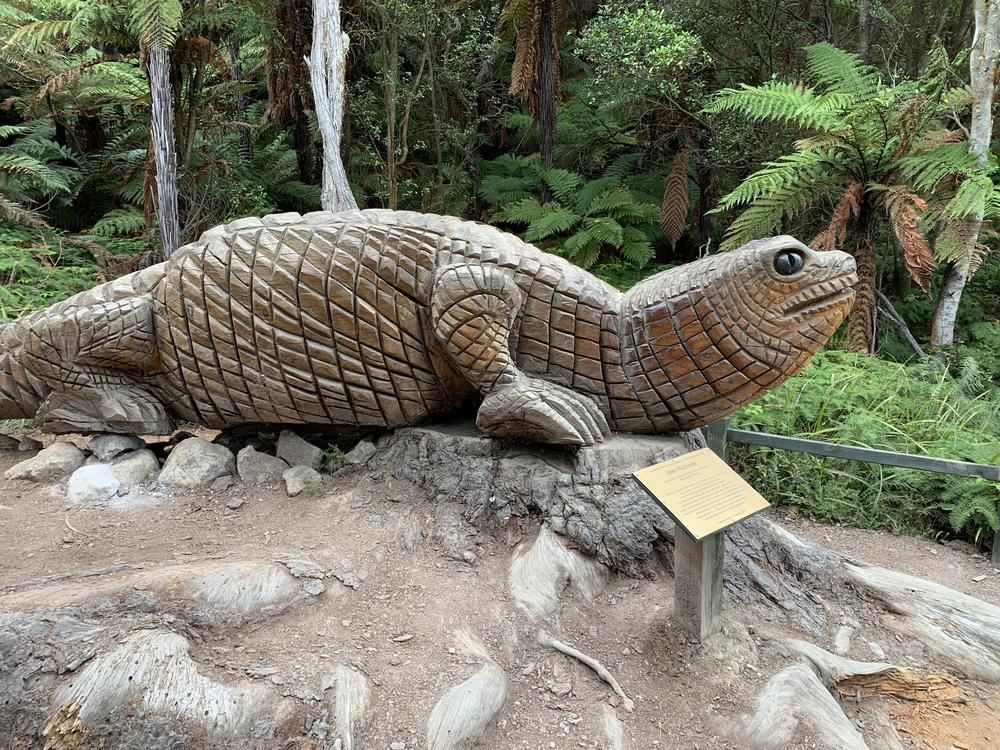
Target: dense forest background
[{"x": 626, "y": 136}]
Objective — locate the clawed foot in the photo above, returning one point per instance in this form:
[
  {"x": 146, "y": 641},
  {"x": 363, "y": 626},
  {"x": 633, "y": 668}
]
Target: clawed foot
[
  {"x": 543, "y": 412},
  {"x": 124, "y": 409}
]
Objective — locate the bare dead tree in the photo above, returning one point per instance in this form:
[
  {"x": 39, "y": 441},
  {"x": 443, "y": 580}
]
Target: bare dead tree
[{"x": 327, "y": 62}]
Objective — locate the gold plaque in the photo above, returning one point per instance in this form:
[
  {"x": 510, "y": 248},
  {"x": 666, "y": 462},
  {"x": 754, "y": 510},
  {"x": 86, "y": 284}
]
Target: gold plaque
[{"x": 701, "y": 492}]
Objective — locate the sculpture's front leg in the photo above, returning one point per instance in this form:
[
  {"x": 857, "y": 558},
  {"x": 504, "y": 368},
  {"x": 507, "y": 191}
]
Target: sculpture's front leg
[{"x": 472, "y": 309}]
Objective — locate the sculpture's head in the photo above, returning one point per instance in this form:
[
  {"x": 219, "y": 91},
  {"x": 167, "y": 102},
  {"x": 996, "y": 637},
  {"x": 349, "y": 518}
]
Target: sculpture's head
[{"x": 713, "y": 335}]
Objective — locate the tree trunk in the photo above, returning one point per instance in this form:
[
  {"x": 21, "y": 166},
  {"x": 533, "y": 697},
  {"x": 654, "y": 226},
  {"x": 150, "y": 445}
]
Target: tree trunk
[
  {"x": 239, "y": 100},
  {"x": 861, "y": 324},
  {"x": 162, "y": 135},
  {"x": 390, "y": 74},
  {"x": 288, "y": 91},
  {"x": 864, "y": 29},
  {"x": 983, "y": 64},
  {"x": 327, "y": 62},
  {"x": 545, "y": 119}
]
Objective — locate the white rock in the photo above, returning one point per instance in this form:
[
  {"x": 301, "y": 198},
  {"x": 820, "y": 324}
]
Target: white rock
[
  {"x": 360, "y": 454},
  {"x": 106, "y": 447},
  {"x": 138, "y": 467},
  {"x": 92, "y": 484},
  {"x": 195, "y": 462},
  {"x": 298, "y": 452},
  {"x": 255, "y": 467},
  {"x": 299, "y": 479},
  {"x": 54, "y": 462}
]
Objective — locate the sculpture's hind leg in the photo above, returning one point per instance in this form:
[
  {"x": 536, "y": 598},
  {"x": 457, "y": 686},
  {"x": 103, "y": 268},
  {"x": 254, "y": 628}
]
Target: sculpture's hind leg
[
  {"x": 93, "y": 359},
  {"x": 472, "y": 309}
]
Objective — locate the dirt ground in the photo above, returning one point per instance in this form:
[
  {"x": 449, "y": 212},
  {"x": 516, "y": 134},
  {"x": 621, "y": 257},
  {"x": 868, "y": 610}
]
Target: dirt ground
[{"x": 424, "y": 573}]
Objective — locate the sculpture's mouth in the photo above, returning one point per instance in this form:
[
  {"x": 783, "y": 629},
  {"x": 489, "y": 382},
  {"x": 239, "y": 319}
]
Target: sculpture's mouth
[{"x": 822, "y": 297}]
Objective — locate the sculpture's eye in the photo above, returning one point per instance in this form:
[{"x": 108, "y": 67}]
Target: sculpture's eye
[{"x": 788, "y": 262}]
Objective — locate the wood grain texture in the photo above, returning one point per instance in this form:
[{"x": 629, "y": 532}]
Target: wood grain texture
[{"x": 382, "y": 319}]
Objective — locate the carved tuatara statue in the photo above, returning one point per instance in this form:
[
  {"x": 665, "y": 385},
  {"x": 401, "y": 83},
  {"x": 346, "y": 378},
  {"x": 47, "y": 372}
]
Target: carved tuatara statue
[{"x": 381, "y": 319}]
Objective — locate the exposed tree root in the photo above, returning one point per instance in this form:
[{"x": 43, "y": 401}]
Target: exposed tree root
[
  {"x": 544, "y": 639},
  {"x": 795, "y": 700},
  {"x": 464, "y": 712}
]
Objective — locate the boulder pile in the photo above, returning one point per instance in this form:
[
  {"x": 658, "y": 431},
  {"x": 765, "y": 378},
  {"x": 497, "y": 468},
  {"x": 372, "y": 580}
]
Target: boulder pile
[{"x": 114, "y": 465}]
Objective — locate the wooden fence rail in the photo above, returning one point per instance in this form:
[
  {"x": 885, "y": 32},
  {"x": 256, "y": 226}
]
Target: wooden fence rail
[{"x": 720, "y": 434}]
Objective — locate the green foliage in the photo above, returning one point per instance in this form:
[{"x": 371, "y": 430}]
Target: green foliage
[
  {"x": 156, "y": 22},
  {"x": 637, "y": 52},
  {"x": 332, "y": 460},
  {"x": 864, "y": 401},
  {"x": 38, "y": 268},
  {"x": 584, "y": 218},
  {"x": 33, "y": 169},
  {"x": 120, "y": 222}
]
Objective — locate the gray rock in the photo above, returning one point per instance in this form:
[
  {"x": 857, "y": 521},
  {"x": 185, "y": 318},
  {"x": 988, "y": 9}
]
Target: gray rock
[
  {"x": 138, "y": 467},
  {"x": 8, "y": 443},
  {"x": 54, "y": 462},
  {"x": 362, "y": 453},
  {"x": 298, "y": 452},
  {"x": 299, "y": 479},
  {"x": 255, "y": 467},
  {"x": 195, "y": 462},
  {"x": 29, "y": 444},
  {"x": 236, "y": 503},
  {"x": 109, "y": 446},
  {"x": 223, "y": 483},
  {"x": 92, "y": 484}
]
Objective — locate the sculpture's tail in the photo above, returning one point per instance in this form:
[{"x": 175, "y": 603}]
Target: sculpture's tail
[{"x": 20, "y": 393}]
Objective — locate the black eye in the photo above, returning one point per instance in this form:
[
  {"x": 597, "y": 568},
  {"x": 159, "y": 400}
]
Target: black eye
[{"x": 788, "y": 262}]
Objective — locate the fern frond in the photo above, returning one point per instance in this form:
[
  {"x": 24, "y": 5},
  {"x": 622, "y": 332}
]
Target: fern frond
[
  {"x": 605, "y": 230},
  {"x": 33, "y": 36},
  {"x": 48, "y": 178},
  {"x": 846, "y": 209},
  {"x": 636, "y": 247},
  {"x": 767, "y": 214},
  {"x": 295, "y": 193},
  {"x": 784, "y": 102},
  {"x": 796, "y": 169},
  {"x": 974, "y": 193},
  {"x": 611, "y": 199},
  {"x": 120, "y": 222},
  {"x": 842, "y": 72},
  {"x": 14, "y": 212},
  {"x": 564, "y": 184},
  {"x": 904, "y": 207},
  {"x": 555, "y": 220},
  {"x": 674, "y": 210},
  {"x": 925, "y": 171},
  {"x": 523, "y": 211},
  {"x": 157, "y": 22},
  {"x": 582, "y": 248},
  {"x": 590, "y": 191}
]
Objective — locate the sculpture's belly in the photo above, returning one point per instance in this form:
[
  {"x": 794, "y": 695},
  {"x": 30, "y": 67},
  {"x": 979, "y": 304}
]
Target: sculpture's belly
[{"x": 295, "y": 326}]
